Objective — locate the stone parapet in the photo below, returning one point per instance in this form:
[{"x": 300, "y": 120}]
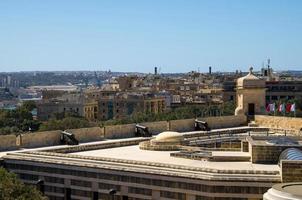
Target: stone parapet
[
  {"x": 8, "y": 142},
  {"x": 291, "y": 170},
  {"x": 291, "y": 124}
]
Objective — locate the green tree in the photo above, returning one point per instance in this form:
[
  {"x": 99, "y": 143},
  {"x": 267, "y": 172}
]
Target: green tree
[
  {"x": 12, "y": 188},
  {"x": 29, "y": 105},
  {"x": 65, "y": 123}
]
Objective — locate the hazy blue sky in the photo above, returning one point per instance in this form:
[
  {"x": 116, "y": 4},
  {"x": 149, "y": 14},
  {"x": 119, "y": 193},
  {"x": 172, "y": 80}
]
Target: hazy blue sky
[{"x": 125, "y": 35}]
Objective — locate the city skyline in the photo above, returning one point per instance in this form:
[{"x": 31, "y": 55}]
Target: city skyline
[{"x": 178, "y": 36}]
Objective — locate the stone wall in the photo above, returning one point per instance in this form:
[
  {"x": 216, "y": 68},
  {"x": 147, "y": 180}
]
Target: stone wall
[
  {"x": 267, "y": 154},
  {"x": 88, "y": 134},
  {"x": 291, "y": 170},
  {"x": 49, "y": 138},
  {"x": 119, "y": 131},
  {"x": 182, "y": 125},
  {"x": 8, "y": 142},
  {"x": 225, "y": 121},
  {"x": 287, "y": 123},
  {"x": 40, "y": 139},
  {"x": 156, "y": 127}
]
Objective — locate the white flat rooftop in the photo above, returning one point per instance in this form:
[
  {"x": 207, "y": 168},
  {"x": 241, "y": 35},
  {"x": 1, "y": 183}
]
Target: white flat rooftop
[{"x": 134, "y": 153}]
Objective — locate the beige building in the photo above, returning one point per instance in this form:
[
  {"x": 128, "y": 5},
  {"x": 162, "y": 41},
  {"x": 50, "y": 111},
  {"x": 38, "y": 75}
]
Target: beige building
[{"x": 250, "y": 94}]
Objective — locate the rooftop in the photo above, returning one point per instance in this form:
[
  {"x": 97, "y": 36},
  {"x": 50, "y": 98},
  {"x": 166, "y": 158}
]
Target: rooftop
[{"x": 136, "y": 154}]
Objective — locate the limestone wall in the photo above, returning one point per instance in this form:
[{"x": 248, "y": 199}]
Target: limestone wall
[
  {"x": 267, "y": 154},
  {"x": 119, "y": 131},
  {"x": 156, "y": 127},
  {"x": 288, "y": 123},
  {"x": 7, "y": 142},
  {"x": 49, "y": 138},
  {"x": 291, "y": 170},
  {"x": 88, "y": 134},
  {"x": 40, "y": 139},
  {"x": 213, "y": 122},
  {"x": 225, "y": 121},
  {"x": 182, "y": 125}
]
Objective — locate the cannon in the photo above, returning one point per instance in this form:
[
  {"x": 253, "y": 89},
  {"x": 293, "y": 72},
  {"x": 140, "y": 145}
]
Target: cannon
[
  {"x": 201, "y": 126},
  {"x": 68, "y": 138},
  {"x": 142, "y": 131}
]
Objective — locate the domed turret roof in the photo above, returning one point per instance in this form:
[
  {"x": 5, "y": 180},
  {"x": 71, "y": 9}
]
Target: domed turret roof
[
  {"x": 250, "y": 81},
  {"x": 170, "y": 136}
]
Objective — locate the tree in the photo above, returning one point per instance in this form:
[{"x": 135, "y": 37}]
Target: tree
[
  {"x": 29, "y": 105},
  {"x": 12, "y": 188},
  {"x": 66, "y": 123}
]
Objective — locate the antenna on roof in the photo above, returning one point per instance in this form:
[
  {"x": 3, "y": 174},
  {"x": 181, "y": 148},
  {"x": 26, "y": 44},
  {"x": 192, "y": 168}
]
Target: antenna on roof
[{"x": 268, "y": 63}]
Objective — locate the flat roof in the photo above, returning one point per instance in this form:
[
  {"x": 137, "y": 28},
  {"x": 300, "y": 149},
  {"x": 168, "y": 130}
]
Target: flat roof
[{"x": 136, "y": 154}]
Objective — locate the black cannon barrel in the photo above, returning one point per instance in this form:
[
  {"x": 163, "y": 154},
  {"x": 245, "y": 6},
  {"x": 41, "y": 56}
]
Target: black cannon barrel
[
  {"x": 201, "y": 125},
  {"x": 142, "y": 131},
  {"x": 68, "y": 138}
]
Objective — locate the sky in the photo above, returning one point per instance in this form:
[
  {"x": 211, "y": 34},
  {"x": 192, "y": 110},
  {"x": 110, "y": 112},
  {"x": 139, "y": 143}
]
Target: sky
[{"x": 137, "y": 35}]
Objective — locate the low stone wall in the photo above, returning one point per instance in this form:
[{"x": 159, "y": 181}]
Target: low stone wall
[
  {"x": 119, "y": 131},
  {"x": 287, "y": 123},
  {"x": 88, "y": 134},
  {"x": 8, "y": 142},
  {"x": 40, "y": 139},
  {"x": 156, "y": 127},
  {"x": 265, "y": 153},
  {"x": 49, "y": 138},
  {"x": 182, "y": 125},
  {"x": 291, "y": 170},
  {"x": 225, "y": 121}
]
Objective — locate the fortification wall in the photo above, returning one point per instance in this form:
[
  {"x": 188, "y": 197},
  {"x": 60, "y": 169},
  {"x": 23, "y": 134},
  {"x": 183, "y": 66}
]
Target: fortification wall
[
  {"x": 49, "y": 138},
  {"x": 182, "y": 125},
  {"x": 119, "y": 131},
  {"x": 40, "y": 139},
  {"x": 225, "y": 121},
  {"x": 8, "y": 142},
  {"x": 156, "y": 127},
  {"x": 287, "y": 123},
  {"x": 88, "y": 134}
]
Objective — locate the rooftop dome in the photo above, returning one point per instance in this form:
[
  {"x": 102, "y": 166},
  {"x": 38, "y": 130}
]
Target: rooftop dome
[
  {"x": 165, "y": 141},
  {"x": 250, "y": 81},
  {"x": 169, "y": 136}
]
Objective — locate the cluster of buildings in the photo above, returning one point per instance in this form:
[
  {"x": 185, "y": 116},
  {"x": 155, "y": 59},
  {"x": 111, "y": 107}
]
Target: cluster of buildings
[
  {"x": 234, "y": 159},
  {"x": 116, "y": 97},
  {"x": 122, "y": 96}
]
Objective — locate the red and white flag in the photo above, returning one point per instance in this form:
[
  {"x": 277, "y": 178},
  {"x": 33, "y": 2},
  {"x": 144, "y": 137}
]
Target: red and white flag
[
  {"x": 293, "y": 108},
  {"x": 270, "y": 107},
  {"x": 281, "y": 108}
]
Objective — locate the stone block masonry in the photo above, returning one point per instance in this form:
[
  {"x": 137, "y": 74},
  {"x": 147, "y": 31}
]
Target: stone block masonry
[
  {"x": 119, "y": 131},
  {"x": 88, "y": 134},
  {"x": 8, "y": 142},
  {"x": 291, "y": 170},
  {"x": 291, "y": 124},
  {"x": 40, "y": 139}
]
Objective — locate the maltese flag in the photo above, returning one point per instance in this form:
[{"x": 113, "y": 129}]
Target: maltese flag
[{"x": 270, "y": 107}]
